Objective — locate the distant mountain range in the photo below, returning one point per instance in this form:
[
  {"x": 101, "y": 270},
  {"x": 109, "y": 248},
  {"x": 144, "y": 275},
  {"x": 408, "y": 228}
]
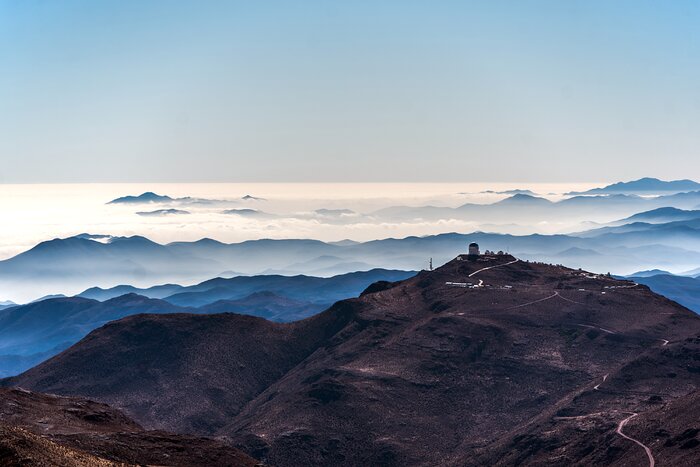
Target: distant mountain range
[
  {"x": 645, "y": 185},
  {"x": 32, "y": 333},
  {"x": 649, "y": 273},
  {"x": 533, "y": 364},
  {"x": 528, "y": 209},
  {"x": 153, "y": 198},
  {"x": 322, "y": 290},
  {"x": 157, "y": 291},
  {"x": 692, "y": 273},
  {"x": 652, "y": 239},
  {"x": 511, "y": 192},
  {"x": 661, "y": 215},
  {"x": 148, "y": 197},
  {"x": 313, "y": 290}
]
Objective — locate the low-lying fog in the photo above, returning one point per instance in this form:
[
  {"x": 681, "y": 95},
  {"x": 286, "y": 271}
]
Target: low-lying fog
[
  {"x": 617, "y": 233},
  {"x": 34, "y": 213}
]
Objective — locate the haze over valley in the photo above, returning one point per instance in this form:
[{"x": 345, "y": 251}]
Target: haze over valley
[{"x": 651, "y": 226}]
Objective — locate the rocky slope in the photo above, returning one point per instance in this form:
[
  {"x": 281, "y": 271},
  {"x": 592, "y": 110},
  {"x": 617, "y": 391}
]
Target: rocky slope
[
  {"x": 492, "y": 361},
  {"x": 46, "y": 430}
]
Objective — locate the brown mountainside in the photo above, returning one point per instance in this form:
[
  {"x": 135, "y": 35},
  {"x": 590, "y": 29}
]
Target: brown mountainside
[
  {"x": 48, "y": 430},
  {"x": 492, "y": 361}
]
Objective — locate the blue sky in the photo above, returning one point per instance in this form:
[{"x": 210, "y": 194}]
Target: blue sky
[{"x": 348, "y": 91}]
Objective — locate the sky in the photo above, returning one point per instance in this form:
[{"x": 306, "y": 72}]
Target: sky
[{"x": 362, "y": 91}]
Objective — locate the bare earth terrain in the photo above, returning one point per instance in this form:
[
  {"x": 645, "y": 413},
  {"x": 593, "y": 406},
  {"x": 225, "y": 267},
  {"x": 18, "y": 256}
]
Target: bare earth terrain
[
  {"x": 46, "y": 430},
  {"x": 490, "y": 361}
]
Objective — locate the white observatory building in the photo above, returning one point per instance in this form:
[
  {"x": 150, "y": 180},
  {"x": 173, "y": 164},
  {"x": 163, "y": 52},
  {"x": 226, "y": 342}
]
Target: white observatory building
[{"x": 474, "y": 249}]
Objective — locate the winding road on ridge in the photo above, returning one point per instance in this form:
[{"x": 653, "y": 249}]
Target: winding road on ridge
[
  {"x": 492, "y": 267},
  {"x": 621, "y": 425},
  {"x": 597, "y": 386},
  {"x": 555, "y": 294},
  {"x": 623, "y": 422}
]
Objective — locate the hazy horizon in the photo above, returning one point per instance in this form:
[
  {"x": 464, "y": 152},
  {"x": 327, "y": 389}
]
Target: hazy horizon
[{"x": 39, "y": 212}]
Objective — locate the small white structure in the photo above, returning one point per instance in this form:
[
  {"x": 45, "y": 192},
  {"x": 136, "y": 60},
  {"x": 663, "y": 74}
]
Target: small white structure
[{"x": 473, "y": 249}]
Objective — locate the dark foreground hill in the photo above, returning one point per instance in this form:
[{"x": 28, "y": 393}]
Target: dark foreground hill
[
  {"x": 44, "y": 430},
  {"x": 29, "y": 334},
  {"x": 490, "y": 362},
  {"x": 32, "y": 333}
]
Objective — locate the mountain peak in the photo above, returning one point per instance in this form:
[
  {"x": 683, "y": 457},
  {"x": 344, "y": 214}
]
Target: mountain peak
[
  {"x": 252, "y": 198},
  {"x": 147, "y": 197},
  {"x": 129, "y": 298},
  {"x": 522, "y": 198},
  {"x": 494, "y": 344}
]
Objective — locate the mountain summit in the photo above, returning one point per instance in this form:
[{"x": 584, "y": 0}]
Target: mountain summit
[
  {"x": 487, "y": 360},
  {"x": 147, "y": 197}
]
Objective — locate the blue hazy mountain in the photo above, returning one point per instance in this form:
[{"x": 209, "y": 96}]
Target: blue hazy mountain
[
  {"x": 317, "y": 290},
  {"x": 147, "y": 197},
  {"x": 158, "y": 291},
  {"x": 268, "y": 305},
  {"x": 517, "y": 191},
  {"x": 681, "y": 289},
  {"x": 576, "y": 252},
  {"x": 660, "y": 215},
  {"x": 252, "y": 198},
  {"x": 31, "y": 333},
  {"x": 692, "y": 273},
  {"x": 153, "y": 198},
  {"x": 649, "y": 273},
  {"x": 527, "y": 209},
  {"x": 645, "y": 185},
  {"x": 685, "y": 233},
  {"x": 162, "y": 212},
  {"x": 73, "y": 264},
  {"x": 522, "y": 199},
  {"x": 323, "y": 290},
  {"x": 48, "y": 297}
]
